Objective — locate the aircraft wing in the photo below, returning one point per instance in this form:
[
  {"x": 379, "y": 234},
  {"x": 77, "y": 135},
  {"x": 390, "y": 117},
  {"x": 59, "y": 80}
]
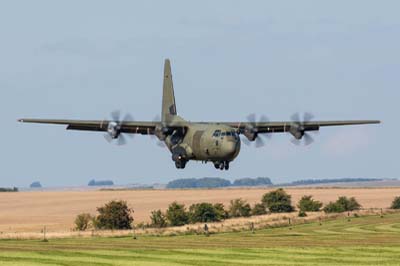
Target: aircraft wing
[
  {"x": 285, "y": 126},
  {"x": 132, "y": 127}
]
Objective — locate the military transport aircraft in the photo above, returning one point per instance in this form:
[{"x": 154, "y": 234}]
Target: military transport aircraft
[{"x": 216, "y": 142}]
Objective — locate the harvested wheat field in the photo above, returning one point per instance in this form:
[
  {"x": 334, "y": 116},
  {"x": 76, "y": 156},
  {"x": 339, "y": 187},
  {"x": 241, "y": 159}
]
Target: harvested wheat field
[{"x": 30, "y": 211}]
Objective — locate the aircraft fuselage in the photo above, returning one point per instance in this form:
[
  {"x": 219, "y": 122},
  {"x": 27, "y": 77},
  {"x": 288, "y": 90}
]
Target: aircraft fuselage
[{"x": 215, "y": 143}]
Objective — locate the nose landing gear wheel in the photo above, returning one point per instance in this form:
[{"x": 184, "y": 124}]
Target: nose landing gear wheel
[{"x": 180, "y": 164}]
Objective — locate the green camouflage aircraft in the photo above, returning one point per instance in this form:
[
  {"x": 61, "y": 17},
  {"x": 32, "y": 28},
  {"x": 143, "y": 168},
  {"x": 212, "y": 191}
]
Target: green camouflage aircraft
[{"x": 216, "y": 142}]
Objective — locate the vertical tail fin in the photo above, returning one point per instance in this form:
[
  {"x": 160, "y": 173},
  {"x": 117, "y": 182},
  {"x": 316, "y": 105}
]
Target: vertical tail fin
[{"x": 168, "y": 101}]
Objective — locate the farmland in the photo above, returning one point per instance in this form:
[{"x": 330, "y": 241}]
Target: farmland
[
  {"x": 30, "y": 211},
  {"x": 367, "y": 240}
]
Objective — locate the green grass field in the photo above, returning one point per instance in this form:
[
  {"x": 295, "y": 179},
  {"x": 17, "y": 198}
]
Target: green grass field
[{"x": 370, "y": 240}]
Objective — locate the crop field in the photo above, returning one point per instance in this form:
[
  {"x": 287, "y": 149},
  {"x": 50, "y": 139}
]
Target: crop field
[
  {"x": 31, "y": 211},
  {"x": 366, "y": 240}
]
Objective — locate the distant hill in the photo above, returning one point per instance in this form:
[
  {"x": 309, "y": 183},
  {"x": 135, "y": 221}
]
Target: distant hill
[
  {"x": 36, "y": 184},
  {"x": 206, "y": 182},
  {"x": 93, "y": 183},
  {"x": 216, "y": 182},
  {"x": 5, "y": 189},
  {"x": 252, "y": 182},
  {"x": 307, "y": 182}
]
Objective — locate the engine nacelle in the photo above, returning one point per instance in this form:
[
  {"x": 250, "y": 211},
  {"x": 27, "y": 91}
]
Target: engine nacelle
[
  {"x": 114, "y": 130},
  {"x": 250, "y": 134},
  {"x": 297, "y": 131}
]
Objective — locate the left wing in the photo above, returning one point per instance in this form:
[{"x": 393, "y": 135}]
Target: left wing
[
  {"x": 132, "y": 127},
  {"x": 289, "y": 126}
]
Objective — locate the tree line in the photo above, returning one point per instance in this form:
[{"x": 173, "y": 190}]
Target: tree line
[
  {"x": 117, "y": 215},
  {"x": 216, "y": 182}
]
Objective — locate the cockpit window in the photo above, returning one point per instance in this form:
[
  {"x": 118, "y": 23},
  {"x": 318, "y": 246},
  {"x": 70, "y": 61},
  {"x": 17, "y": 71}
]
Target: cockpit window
[
  {"x": 217, "y": 133},
  {"x": 229, "y": 133},
  {"x": 223, "y": 134}
]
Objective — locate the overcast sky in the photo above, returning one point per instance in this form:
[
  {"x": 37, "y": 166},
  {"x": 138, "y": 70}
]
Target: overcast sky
[{"x": 84, "y": 59}]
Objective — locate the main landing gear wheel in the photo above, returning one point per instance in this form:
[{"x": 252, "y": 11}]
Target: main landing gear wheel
[{"x": 221, "y": 165}]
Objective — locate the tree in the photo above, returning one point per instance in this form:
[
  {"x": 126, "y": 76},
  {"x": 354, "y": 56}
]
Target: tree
[
  {"x": 308, "y": 204},
  {"x": 82, "y": 221},
  {"x": 114, "y": 215},
  {"x": 349, "y": 204},
  {"x": 258, "y": 209},
  {"x": 203, "y": 213},
  {"x": 177, "y": 215},
  {"x": 221, "y": 212},
  {"x": 158, "y": 219},
  {"x": 277, "y": 201},
  {"x": 334, "y": 207},
  {"x": 239, "y": 208},
  {"x": 342, "y": 204},
  {"x": 396, "y": 203}
]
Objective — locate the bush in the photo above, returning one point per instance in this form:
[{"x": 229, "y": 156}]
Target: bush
[
  {"x": 203, "y": 213},
  {"x": 396, "y": 203},
  {"x": 239, "y": 208},
  {"x": 82, "y": 221},
  {"x": 114, "y": 215},
  {"x": 258, "y": 209},
  {"x": 302, "y": 213},
  {"x": 158, "y": 219},
  {"x": 349, "y": 204},
  {"x": 220, "y": 209},
  {"x": 277, "y": 201},
  {"x": 308, "y": 204},
  {"x": 343, "y": 204},
  {"x": 176, "y": 214},
  {"x": 334, "y": 207}
]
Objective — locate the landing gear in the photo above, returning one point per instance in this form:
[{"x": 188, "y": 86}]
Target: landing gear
[
  {"x": 222, "y": 165},
  {"x": 180, "y": 164}
]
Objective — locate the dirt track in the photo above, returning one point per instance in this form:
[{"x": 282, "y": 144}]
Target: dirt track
[{"x": 30, "y": 211}]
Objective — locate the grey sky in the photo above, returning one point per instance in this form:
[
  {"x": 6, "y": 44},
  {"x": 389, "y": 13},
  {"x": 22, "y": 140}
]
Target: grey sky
[{"x": 83, "y": 59}]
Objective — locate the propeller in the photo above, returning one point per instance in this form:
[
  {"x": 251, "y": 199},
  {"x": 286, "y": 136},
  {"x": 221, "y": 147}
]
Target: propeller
[
  {"x": 159, "y": 143},
  {"x": 251, "y": 131},
  {"x": 114, "y": 133},
  {"x": 297, "y": 129}
]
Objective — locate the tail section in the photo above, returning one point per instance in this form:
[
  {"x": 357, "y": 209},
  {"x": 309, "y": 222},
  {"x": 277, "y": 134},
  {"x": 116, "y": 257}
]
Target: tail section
[{"x": 168, "y": 102}]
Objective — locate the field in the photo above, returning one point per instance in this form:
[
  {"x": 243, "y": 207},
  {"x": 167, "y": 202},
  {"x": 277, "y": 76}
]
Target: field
[
  {"x": 367, "y": 240},
  {"x": 30, "y": 211}
]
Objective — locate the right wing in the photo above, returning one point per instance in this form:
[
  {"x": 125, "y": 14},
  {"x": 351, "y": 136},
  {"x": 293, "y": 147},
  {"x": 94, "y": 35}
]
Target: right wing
[{"x": 132, "y": 127}]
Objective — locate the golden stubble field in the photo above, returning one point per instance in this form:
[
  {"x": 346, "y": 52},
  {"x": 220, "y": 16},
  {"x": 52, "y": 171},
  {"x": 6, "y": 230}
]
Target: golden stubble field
[{"x": 30, "y": 211}]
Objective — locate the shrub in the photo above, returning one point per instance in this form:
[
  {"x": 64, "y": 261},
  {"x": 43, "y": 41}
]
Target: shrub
[
  {"x": 203, "y": 213},
  {"x": 176, "y": 214},
  {"x": 334, "y": 207},
  {"x": 302, "y": 213},
  {"x": 278, "y": 201},
  {"x": 343, "y": 204},
  {"x": 221, "y": 212},
  {"x": 82, "y": 221},
  {"x": 308, "y": 204},
  {"x": 239, "y": 208},
  {"x": 158, "y": 219},
  {"x": 349, "y": 204},
  {"x": 396, "y": 203},
  {"x": 258, "y": 209},
  {"x": 114, "y": 215}
]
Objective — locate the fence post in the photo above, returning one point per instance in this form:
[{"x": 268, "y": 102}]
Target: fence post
[{"x": 44, "y": 234}]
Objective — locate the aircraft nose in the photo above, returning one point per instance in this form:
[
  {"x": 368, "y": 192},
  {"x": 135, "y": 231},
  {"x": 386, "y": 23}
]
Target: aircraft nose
[{"x": 230, "y": 147}]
